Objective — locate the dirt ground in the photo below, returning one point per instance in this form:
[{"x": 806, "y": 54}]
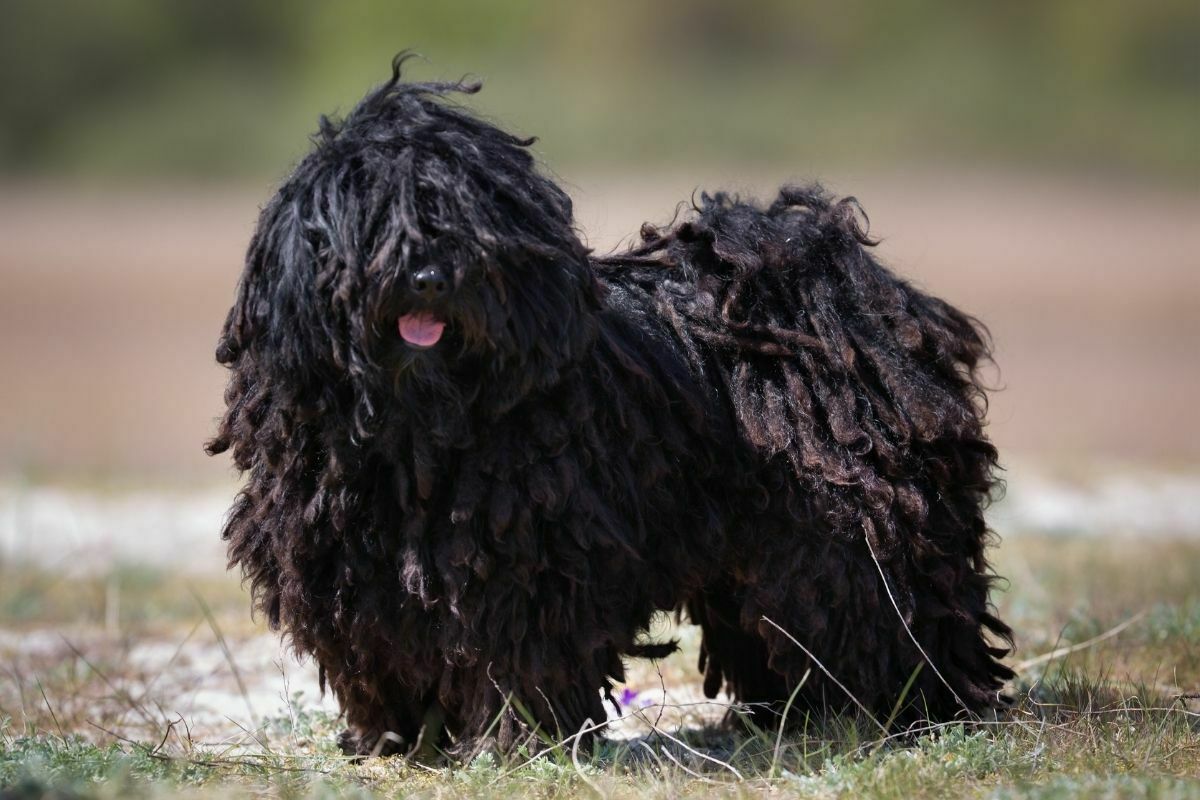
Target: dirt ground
[{"x": 112, "y": 301}]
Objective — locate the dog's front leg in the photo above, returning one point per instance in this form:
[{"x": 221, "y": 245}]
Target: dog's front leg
[
  {"x": 531, "y": 713},
  {"x": 383, "y": 715},
  {"x": 533, "y": 684}
]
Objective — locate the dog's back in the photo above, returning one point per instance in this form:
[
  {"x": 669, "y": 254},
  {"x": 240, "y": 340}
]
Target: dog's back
[{"x": 859, "y": 401}]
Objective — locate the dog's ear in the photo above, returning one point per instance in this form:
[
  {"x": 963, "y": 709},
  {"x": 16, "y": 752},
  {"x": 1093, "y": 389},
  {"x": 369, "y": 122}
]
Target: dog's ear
[
  {"x": 285, "y": 338},
  {"x": 249, "y": 317},
  {"x": 544, "y": 320},
  {"x": 296, "y": 298}
]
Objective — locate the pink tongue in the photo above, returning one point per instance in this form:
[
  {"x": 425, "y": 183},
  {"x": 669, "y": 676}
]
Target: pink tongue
[{"x": 422, "y": 329}]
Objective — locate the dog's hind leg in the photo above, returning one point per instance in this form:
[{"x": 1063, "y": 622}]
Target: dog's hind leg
[
  {"x": 867, "y": 641},
  {"x": 805, "y": 620},
  {"x": 736, "y": 660}
]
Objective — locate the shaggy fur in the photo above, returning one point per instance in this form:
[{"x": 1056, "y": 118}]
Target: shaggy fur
[{"x": 746, "y": 417}]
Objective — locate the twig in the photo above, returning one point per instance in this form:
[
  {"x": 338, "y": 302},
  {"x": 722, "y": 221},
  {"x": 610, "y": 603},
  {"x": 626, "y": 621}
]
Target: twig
[
  {"x": 868, "y": 747},
  {"x": 550, "y": 706},
  {"x": 171, "y": 661},
  {"x": 237, "y": 674},
  {"x": 583, "y": 731},
  {"x": 252, "y": 735},
  {"x": 217, "y": 763},
  {"x": 50, "y": 708},
  {"x": 575, "y": 761},
  {"x": 694, "y": 751},
  {"x": 121, "y": 693},
  {"x": 1075, "y": 648},
  {"x": 666, "y": 752},
  {"x": 642, "y": 743},
  {"x": 166, "y": 735},
  {"x": 634, "y": 714},
  {"x": 662, "y": 683},
  {"x": 899, "y": 615},
  {"x": 828, "y": 674}
]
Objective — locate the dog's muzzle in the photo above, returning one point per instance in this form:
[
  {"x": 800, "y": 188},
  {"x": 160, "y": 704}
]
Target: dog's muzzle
[
  {"x": 422, "y": 329},
  {"x": 430, "y": 284}
]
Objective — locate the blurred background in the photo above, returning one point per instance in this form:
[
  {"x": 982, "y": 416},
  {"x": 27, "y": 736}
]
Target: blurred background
[{"x": 1035, "y": 163}]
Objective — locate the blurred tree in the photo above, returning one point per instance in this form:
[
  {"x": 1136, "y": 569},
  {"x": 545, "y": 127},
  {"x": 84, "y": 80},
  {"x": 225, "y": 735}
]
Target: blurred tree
[{"x": 144, "y": 87}]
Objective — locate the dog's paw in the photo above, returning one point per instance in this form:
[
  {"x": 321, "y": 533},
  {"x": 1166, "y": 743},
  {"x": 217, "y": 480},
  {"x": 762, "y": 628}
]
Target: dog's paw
[{"x": 358, "y": 745}]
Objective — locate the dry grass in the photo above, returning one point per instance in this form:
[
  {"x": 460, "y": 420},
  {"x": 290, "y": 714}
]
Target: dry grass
[{"x": 81, "y": 712}]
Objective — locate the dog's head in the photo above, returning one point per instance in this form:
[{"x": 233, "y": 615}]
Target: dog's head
[{"x": 414, "y": 262}]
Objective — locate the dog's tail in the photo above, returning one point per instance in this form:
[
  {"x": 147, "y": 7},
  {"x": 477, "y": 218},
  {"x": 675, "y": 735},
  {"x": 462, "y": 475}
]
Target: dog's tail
[{"x": 867, "y": 387}]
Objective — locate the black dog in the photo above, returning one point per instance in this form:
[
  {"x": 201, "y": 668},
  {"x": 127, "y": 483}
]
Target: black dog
[{"x": 480, "y": 460}]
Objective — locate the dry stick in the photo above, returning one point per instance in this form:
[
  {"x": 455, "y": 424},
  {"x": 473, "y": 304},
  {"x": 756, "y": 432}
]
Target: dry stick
[
  {"x": 145, "y": 693},
  {"x": 217, "y": 763},
  {"x": 558, "y": 745},
  {"x": 638, "y": 713},
  {"x": 121, "y": 694},
  {"x": 1075, "y": 648},
  {"x": 899, "y": 615},
  {"x": 410, "y": 762},
  {"x": 496, "y": 719},
  {"x": 575, "y": 760},
  {"x": 1062, "y": 727},
  {"x": 171, "y": 661},
  {"x": 1037, "y": 745},
  {"x": 50, "y": 708},
  {"x": 642, "y": 743},
  {"x": 519, "y": 707},
  {"x": 1167, "y": 690},
  {"x": 189, "y": 743},
  {"x": 550, "y": 706},
  {"x": 1162, "y": 731},
  {"x": 19, "y": 682},
  {"x": 286, "y": 696},
  {"x": 828, "y": 674},
  {"x": 662, "y": 683},
  {"x": 148, "y": 751},
  {"x": 251, "y": 735},
  {"x": 1096, "y": 712},
  {"x": 692, "y": 750},
  {"x": 237, "y": 674},
  {"x": 166, "y": 735},
  {"x": 666, "y": 752}
]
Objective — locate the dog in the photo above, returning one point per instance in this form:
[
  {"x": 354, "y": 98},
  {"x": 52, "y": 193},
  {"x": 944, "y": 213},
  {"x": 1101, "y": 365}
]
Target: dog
[{"x": 480, "y": 459}]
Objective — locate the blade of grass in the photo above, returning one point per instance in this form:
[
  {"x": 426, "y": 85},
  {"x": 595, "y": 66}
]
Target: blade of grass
[{"x": 783, "y": 723}]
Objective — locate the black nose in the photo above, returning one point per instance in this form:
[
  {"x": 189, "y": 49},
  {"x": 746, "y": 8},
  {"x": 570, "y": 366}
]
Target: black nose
[{"x": 430, "y": 283}]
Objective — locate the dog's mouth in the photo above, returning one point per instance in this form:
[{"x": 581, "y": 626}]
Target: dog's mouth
[{"x": 421, "y": 329}]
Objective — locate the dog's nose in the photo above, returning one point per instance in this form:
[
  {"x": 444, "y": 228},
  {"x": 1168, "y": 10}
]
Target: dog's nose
[{"x": 430, "y": 283}]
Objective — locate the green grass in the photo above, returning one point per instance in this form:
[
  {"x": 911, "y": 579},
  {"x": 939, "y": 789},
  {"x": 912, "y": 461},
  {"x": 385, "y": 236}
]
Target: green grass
[{"x": 1113, "y": 719}]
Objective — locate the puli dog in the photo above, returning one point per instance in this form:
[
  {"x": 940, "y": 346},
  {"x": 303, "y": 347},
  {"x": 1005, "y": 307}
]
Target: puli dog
[{"x": 480, "y": 459}]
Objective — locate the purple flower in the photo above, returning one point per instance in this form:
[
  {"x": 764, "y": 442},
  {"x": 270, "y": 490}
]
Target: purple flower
[{"x": 628, "y": 696}]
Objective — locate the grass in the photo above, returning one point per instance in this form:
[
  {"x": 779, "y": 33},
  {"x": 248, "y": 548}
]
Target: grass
[{"x": 83, "y": 715}]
